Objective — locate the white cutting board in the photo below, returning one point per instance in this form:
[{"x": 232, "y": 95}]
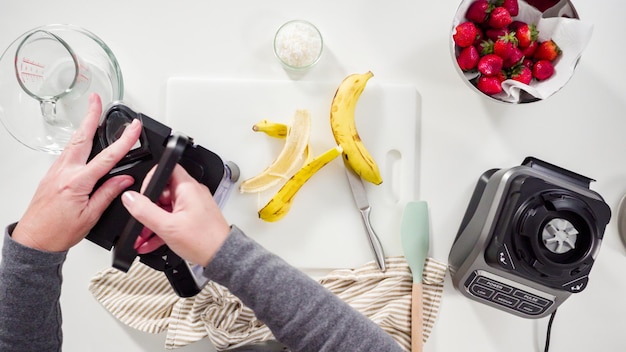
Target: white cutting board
[{"x": 323, "y": 229}]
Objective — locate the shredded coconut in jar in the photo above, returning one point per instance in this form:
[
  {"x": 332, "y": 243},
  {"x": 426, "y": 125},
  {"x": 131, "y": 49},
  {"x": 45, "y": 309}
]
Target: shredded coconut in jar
[{"x": 298, "y": 44}]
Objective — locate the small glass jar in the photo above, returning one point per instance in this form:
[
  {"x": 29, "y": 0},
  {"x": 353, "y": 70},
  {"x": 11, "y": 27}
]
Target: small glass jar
[{"x": 298, "y": 44}]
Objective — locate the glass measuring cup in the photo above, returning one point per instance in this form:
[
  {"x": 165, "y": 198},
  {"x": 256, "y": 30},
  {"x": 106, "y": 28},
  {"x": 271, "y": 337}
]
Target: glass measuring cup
[
  {"x": 48, "y": 70},
  {"x": 46, "y": 77}
]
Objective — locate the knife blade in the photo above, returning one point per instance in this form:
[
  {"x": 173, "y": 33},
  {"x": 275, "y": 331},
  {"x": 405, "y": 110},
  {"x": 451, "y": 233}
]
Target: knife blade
[{"x": 360, "y": 198}]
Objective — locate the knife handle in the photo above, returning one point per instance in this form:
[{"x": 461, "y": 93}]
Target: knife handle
[{"x": 375, "y": 244}]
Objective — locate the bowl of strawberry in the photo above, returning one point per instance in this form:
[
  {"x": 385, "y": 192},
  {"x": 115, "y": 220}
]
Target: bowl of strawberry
[{"x": 509, "y": 51}]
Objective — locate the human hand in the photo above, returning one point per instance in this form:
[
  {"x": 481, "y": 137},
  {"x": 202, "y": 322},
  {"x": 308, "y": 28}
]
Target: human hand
[
  {"x": 186, "y": 218},
  {"x": 63, "y": 210}
]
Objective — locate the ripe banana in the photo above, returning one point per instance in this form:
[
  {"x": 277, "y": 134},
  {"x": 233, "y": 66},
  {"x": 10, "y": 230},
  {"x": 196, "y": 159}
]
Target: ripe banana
[
  {"x": 342, "y": 123},
  {"x": 280, "y": 204},
  {"x": 272, "y": 129}
]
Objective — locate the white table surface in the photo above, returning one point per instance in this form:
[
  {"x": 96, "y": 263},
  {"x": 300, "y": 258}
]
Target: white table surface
[{"x": 463, "y": 134}]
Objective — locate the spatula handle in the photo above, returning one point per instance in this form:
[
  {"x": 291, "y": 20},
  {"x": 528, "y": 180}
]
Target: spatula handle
[{"x": 417, "y": 318}]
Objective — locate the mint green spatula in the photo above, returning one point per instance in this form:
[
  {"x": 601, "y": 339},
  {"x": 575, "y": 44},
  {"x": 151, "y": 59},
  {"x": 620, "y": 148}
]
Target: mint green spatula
[{"x": 415, "y": 234}]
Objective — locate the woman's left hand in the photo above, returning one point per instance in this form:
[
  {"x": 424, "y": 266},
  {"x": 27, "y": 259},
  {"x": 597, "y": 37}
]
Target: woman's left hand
[{"x": 63, "y": 209}]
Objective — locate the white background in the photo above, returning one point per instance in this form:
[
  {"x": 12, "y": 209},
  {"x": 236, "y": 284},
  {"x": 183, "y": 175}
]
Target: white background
[{"x": 463, "y": 134}]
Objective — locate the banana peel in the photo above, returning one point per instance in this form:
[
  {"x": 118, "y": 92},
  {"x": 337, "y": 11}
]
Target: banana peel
[
  {"x": 289, "y": 159},
  {"x": 279, "y": 130},
  {"x": 271, "y": 128},
  {"x": 280, "y": 204}
]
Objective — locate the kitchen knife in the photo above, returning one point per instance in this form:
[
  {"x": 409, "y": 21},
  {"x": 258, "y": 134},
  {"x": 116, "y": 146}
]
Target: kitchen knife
[
  {"x": 414, "y": 233},
  {"x": 360, "y": 198}
]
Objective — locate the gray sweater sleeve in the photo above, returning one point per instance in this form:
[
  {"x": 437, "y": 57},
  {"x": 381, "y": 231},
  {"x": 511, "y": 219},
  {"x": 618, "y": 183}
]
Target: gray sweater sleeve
[
  {"x": 30, "y": 287},
  {"x": 299, "y": 311}
]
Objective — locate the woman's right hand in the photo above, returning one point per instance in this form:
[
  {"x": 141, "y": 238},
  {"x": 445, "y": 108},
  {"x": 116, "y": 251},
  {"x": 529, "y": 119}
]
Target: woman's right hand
[{"x": 186, "y": 218}]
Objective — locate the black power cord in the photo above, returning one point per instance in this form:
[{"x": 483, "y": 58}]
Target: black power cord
[{"x": 549, "y": 331}]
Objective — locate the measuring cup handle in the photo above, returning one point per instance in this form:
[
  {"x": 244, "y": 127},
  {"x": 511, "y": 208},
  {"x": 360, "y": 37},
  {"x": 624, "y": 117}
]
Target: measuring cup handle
[{"x": 49, "y": 110}]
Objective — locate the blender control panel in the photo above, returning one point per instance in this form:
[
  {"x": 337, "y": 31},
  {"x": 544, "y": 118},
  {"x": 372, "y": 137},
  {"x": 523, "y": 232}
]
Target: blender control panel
[{"x": 511, "y": 295}]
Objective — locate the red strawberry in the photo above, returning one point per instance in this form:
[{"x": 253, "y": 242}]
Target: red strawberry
[
  {"x": 528, "y": 63},
  {"x": 486, "y": 47},
  {"x": 503, "y": 47},
  {"x": 500, "y": 18},
  {"x": 495, "y": 33},
  {"x": 511, "y": 5},
  {"x": 490, "y": 64},
  {"x": 480, "y": 36},
  {"x": 468, "y": 58},
  {"x": 489, "y": 85},
  {"x": 526, "y": 34},
  {"x": 465, "y": 34},
  {"x": 501, "y": 76},
  {"x": 547, "y": 50},
  {"x": 522, "y": 74},
  {"x": 530, "y": 50},
  {"x": 543, "y": 69},
  {"x": 478, "y": 11},
  {"x": 514, "y": 58}
]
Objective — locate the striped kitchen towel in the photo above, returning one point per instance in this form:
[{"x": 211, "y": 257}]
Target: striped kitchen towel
[{"x": 142, "y": 299}]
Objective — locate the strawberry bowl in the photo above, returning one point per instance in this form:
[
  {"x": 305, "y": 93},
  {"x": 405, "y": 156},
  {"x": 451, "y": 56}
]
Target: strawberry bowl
[{"x": 517, "y": 51}]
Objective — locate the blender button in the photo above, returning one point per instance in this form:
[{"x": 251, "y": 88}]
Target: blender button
[
  {"x": 504, "y": 259},
  {"x": 531, "y": 298},
  {"x": 494, "y": 285},
  {"x": 529, "y": 308},
  {"x": 481, "y": 291},
  {"x": 577, "y": 286},
  {"x": 505, "y": 300}
]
